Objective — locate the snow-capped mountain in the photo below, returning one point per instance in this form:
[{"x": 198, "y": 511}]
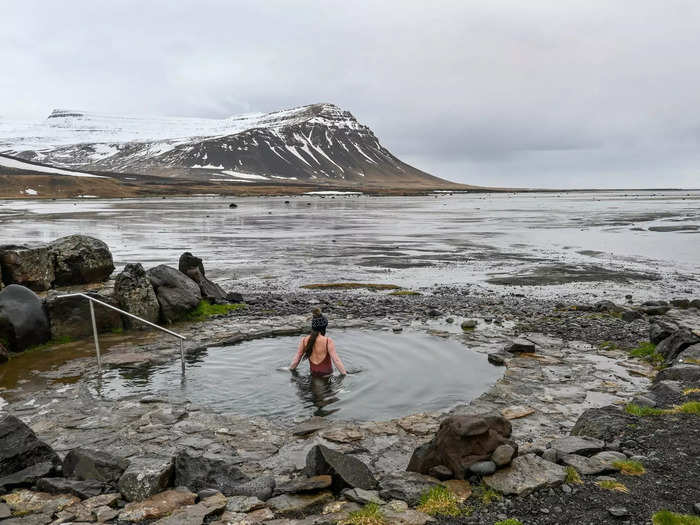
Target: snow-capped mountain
[{"x": 318, "y": 143}]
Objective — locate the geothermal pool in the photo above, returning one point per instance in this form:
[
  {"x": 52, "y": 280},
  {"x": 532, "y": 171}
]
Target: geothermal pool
[{"x": 390, "y": 375}]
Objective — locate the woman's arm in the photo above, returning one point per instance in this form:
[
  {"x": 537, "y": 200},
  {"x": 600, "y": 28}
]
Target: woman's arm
[
  {"x": 335, "y": 357},
  {"x": 300, "y": 353}
]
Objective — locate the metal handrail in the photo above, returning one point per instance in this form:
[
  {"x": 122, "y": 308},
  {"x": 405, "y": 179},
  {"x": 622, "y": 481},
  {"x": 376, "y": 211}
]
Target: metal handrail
[{"x": 94, "y": 326}]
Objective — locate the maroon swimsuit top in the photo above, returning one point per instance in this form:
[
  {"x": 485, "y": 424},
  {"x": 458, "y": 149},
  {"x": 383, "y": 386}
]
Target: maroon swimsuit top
[{"x": 325, "y": 367}]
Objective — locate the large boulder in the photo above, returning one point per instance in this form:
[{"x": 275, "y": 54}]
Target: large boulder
[
  {"x": 79, "y": 259},
  {"x": 685, "y": 372},
  {"x": 30, "y": 266},
  {"x": 134, "y": 293},
  {"x": 177, "y": 294},
  {"x": 70, "y": 316},
  {"x": 193, "y": 268},
  {"x": 462, "y": 441},
  {"x": 658, "y": 331},
  {"x": 406, "y": 486},
  {"x": 690, "y": 355},
  {"x": 20, "y": 449},
  {"x": 676, "y": 343},
  {"x": 525, "y": 475},
  {"x": 346, "y": 470},
  {"x": 605, "y": 423},
  {"x": 87, "y": 464},
  {"x": 146, "y": 477},
  {"x": 23, "y": 321},
  {"x": 208, "y": 472}
]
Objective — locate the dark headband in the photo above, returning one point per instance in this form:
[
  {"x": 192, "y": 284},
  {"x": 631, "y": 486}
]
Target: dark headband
[{"x": 319, "y": 323}]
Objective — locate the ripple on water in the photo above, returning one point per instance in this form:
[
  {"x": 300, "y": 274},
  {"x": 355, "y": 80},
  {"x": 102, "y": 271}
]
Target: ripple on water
[{"x": 390, "y": 375}]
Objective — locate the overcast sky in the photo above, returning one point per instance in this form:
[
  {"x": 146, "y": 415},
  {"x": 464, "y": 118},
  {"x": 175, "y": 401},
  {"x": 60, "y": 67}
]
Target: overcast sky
[{"x": 537, "y": 94}]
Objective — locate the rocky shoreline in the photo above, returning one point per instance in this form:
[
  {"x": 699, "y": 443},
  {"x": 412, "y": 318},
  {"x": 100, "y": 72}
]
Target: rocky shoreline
[{"x": 567, "y": 371}]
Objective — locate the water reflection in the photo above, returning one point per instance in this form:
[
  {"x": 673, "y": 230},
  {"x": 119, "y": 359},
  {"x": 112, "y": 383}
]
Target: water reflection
[{"x": 318, "y": 391}]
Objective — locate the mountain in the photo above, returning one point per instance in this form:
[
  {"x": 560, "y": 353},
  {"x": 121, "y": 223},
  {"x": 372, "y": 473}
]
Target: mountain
[{"x": 319, "y": 144}]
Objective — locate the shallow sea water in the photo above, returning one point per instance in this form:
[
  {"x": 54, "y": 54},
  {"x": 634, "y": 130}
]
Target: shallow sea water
[{"x": 389, "y": 375}]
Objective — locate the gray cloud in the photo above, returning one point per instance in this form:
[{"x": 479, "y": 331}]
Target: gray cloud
[{"x": 567, "y": 93}]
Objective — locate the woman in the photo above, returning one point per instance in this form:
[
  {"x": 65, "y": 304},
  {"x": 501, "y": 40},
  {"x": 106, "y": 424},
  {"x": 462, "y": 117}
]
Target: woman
[{"x": 318, "y": 349}]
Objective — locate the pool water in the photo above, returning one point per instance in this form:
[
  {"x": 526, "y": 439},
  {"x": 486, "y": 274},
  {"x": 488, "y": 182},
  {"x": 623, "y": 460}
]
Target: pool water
[{"x": 389, "y": 375}]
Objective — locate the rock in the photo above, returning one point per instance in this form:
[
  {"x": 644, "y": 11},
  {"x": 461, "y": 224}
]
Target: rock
[
  {"x": 205, "y": 493},
  {"x": 299, "y": 505},
  {"x": 193, "y": 268},
  {"x": 441, "y": 472},
  {"x": 177, "y": 294},
  {"x": 26, "y": 502},
  {"x": 469, "y": 324},
  {"x": 605, "y": 423},
  {"x": 103, "y": 500},
  {"x": 618, "y": 512},
  {"x": 550, "y": 455},
  {"x": 408, "y": 517},
  {"x": 605, "y": 306},
  {"x": 525, "y": 475},
  {"x": 694, "y": 303},
  {"x": 655, "y": 310},
  {"x": 146, "y": 477},
  {"x": 687, "y": 373},
  {"x": 503, "y": 455},
  {"x": 157, "y": 506},
  {"x": 658, "y": 331},
  {"x": 644, "y": 401},
  {"x": 696, "y": 507},
  {"x": 70, "y": 316},
  {"x": 460, "y": 488},
  {"x": 406, "y": 486},
  {"x": 597, "y": 464},
  {"x": 680, "y": 303},
  {"x": 79, "y": 259},
  {"x": 243, "y": 504},
  {"x": 23, "y": 321},
  {"x": 196, "y": 514},
  {"x": 82, "y": 489},
  {"x": 516, "y": 412},
  {"x": 87, "y": 464},
  {"x": 676, "y": 343},
  {"x": 29, "y": 266},
  {"x": 498, "y": 358},
  {"x": 5, "y": 511},
  {"x": 135, "y": 294},
  {"x": 631, "y": 315},
  {"x": 4, "y": 354},
  {"x": 363, "y": 497},
  {"x": 234, "y": 297},
  {"x": 346, "y": 470},
  {"x": 517, "y": 346},
  {"x": 208, "y": 471},
  {"x": 20, "y": 449},
  {"x": 690, "y": 355},
  {"x": 460, "y": 442},
  {"x": 261, "y": 488},
  {"x": 27, "y": 476},
  {"x": 666, "y": 388},
  {"x": 483, "y": 468},
  {"x": 298, "y": 485},
  {"x": 233, "y": 205},
  {"x": 104, "y": 514},
  {"x": 576, "y": 445}
]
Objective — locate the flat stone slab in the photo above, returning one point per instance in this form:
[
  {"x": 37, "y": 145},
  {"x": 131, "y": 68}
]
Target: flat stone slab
[
  {"x": 243, "y": 504},
  {"x": 313, "y": 484},
  {"x": 525, "y": 475},
  {"x": 294, "y": 504},
  {"x": 576, "y": 445},
  {"x": 596, "y": 464},
  {"x": 157, "y": 506}
]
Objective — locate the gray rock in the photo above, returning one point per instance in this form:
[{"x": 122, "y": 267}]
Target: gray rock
[
  {"x": 483, "y": 468},
  {"x": 685, "y": 372},
  {"x": 298, "y": 485},
  {"x": 550, "y": 454},
  {"x": 243, "y": 504},
  {"x": 503, "y": 455},
  {"x": 346, "y": 470},
  {"x": 27, "y": 476},
  {"x": 605, "y": 423},
  {"x": 209, "y": 471},
  {"x": 261, "y": 487},
  {"x": 520, "y": 345},
  {"x": 676, "y": 343},
  {"x": 644, "y": 400},
  {"x": 469, "y": 324},
  {"x": 4, "y": 354},
  {"x": 79, "y": 259},
  {"x": 70, "y": 316},
  {"x": 28, "y": 266},
  {"x": 5, "y": 511},
  {"x": 20, "y": 449},
  {"x": 525, "y": 475},
  {"x": 690, "y": 355},
  {"x": 631, "y": 315},
  {"x": 658, "y": 331},
  {"x": 696, "y": 507},
  {"x": 86, "y": 464},
  {"x": 205, "y": 493},
  {"x": 597, "y": 464},
  {"x": 193, "y": 268},
  {"x": 655, "y": 310},
  {"x": 362, "y": 496},
  {"x": 310, "y": 426},
  {"x": 406, "y": 486},
  {"x": 196, "y": 514},
  {"x": 177, "y": 294},
  {"x": 146, "y": 477},
  {"x": 299, "y": 505},
  {"x": 23, "y": 321},
  {"x": 135, "y": 294},
  {"x": 497, "y": 358},
  {"x": 82, "y": 489},
  {"x": 576, "y": 445},
  {"x": 441, "y": 472},
  {"x": 618, "y": 512}
]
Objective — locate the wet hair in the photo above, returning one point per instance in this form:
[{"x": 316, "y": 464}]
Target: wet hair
[{"x": 318, "y": 326}]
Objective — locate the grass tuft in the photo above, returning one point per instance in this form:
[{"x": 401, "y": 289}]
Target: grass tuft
[
  {"x": 612, "y": 485},
  {"x": 370, "y": 514},
  {"x": 647, "y": 351},
  {"x": 440, "y": 501},
  {"x": 350, "y": 286},
  {"x": 404, "y": 292},
  {"x": 637, "y": 410},
  {"x": 572, "y": 476},
  {"x": 691, "y": 407},
  {"x": 205, "y": 310},
  {"x": 509, "y": 521},
  {"x": 666, "y": 517},
  {"x": 486, "y": 494},
  {"x": 689, "y": 391},
  {"x": 629, "y": 467}
]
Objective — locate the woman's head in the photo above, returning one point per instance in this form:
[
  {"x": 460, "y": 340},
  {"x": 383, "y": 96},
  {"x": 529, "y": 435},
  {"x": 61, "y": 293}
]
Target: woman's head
[{"x": 318, "y": 326}]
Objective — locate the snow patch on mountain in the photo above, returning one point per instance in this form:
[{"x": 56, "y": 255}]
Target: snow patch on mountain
[{"x": 17, "y": 164}]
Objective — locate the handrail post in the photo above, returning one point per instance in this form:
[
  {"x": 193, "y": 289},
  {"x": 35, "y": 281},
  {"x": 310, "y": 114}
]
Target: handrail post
[
  {"x": 94, "y": 333},
  {"x": 182, "y": 357}
]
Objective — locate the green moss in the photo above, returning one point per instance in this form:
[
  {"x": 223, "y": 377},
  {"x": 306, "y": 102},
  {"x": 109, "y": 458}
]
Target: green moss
[
  {"x": 370, "y": 514},
  {"x": 440, "y": 501},
  {"x": 666, "y": 517},
  {"x": 118, "y": 330},
  {"x": 609, "y": 345},
  {"x": 351, "y": 286},
  {"x": 647, "y": 351},
  {"x": 205, "y": 310},
  {"x": 486, "y": 494},
  {"x": 53, "y": 342},
  {"x": 509, "y": 521},
  {"x": 572, "y": 476},
  {"x": 612, "y": 485},
  {"x": 404, "y": 292},
  {"x": 641, "y": 411},
  {"x": 691, "y": 407},
  {"x": 629, "y": 467}
]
